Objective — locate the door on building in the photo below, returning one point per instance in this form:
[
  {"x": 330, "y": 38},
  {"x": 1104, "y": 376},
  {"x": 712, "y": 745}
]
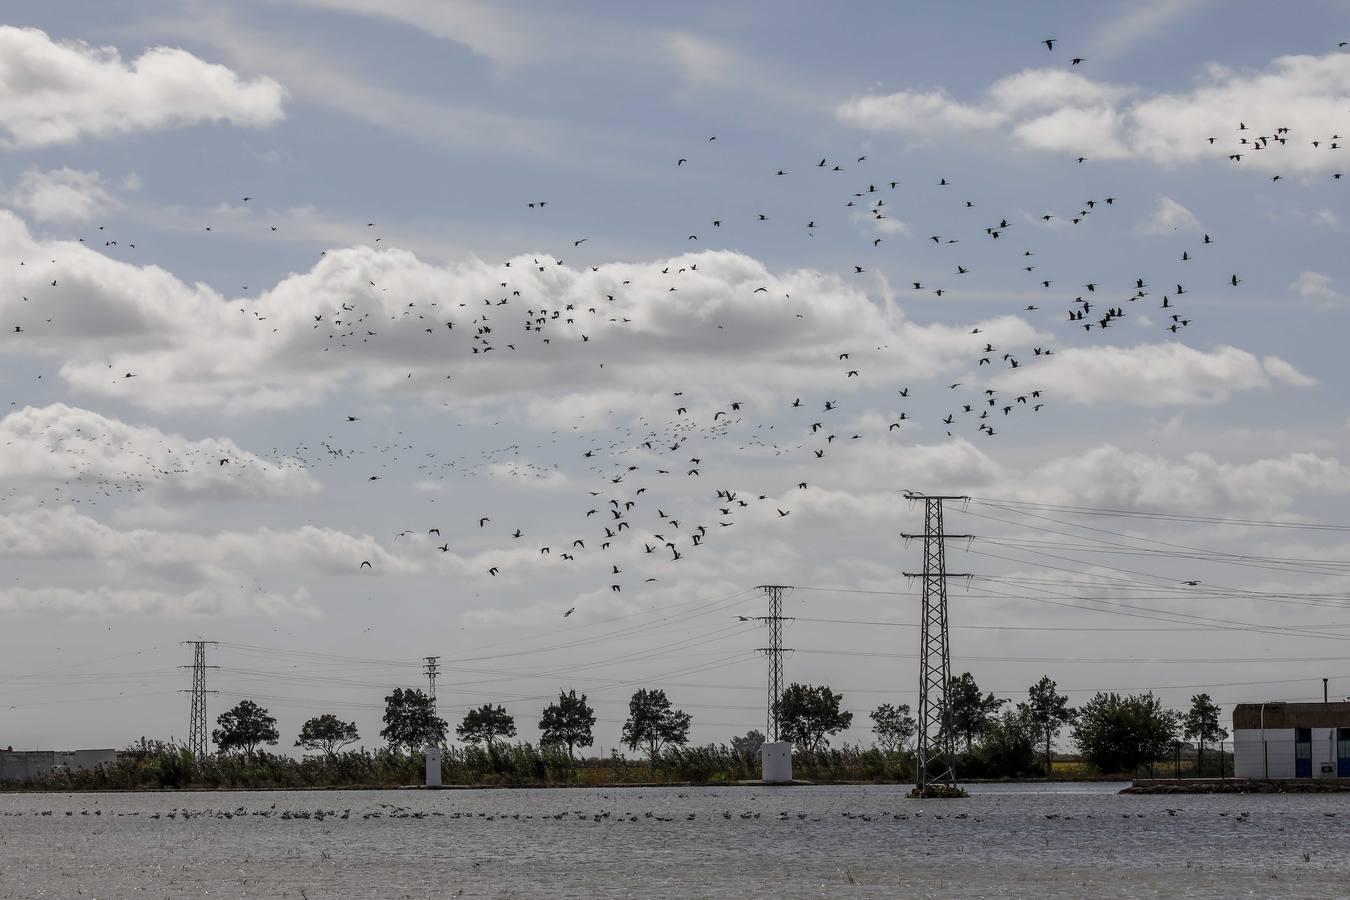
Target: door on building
[
  {"x": 1302, "y": 752},
  {"x": 1343, "y": 752}
]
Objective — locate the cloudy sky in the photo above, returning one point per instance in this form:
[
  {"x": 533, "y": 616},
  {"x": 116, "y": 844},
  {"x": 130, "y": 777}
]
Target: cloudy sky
[{"x": 469, "y": 292}]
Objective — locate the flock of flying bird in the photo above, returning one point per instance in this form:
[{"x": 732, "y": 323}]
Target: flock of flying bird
[{"x": 627, "y": 469}]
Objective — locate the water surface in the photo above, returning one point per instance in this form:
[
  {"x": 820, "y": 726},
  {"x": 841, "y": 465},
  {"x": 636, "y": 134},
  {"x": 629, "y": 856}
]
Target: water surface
[{"x": 866, "y": 841}]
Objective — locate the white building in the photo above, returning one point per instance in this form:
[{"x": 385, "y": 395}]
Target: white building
[{"x": 1291, "y": 740}]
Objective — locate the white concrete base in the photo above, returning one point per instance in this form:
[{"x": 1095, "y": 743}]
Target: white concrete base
[
  {"x": 433, "y": 767},
  {"x": 777, "y": 761}
]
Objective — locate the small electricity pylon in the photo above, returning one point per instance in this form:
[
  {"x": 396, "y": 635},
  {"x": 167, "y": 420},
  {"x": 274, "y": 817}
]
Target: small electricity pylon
[
  {"x": 432, "y": 668},
  {"x": 197, "y": 744},
  {"x": 936, "y": 761},
  {"x": 774, "y": 652}
]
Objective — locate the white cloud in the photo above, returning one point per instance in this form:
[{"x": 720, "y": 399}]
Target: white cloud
[
  {"x": 524, "y": 474},
  {"x": 175, "y": 571},
  {"x": 1038, "y": 90},
  {"x": 1053, "y": 110},
  {"x": 191, "y": 348},
  {"x": 1139, "y": 22},
  {"x": 57, "y": 93},
  {"x": 321, "y": 79},
  {"x": 1326, "y": 218},
  {"x": 1108, "y": 476},
  {"x": 713, "y": 71},
  {"x": 486, "y": 29},
  {"x": 59, "y": 444},
  {"x": 1315, "y": 287},
  {"x": 62, "y": 195},
  {"x": 1170, "y": 216},
  {"x": 1150, "y": 375},
  {"x": 867, "y": 222},
  {"x": 108, "y": 601},
  {"x": 917, "y": 111}
]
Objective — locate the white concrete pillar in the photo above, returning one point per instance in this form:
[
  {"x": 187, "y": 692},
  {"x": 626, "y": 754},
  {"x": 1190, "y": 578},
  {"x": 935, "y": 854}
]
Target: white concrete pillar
[
  {"x": 776, "y": 758},
  {"x": 433, "y": 767}
]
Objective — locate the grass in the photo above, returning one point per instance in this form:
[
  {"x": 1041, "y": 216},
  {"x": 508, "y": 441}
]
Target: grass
[{"x": 157, "y": 765}]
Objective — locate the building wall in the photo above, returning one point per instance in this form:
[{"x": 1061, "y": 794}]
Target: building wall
[
  {"x": 1277, "y": 758},
  {"x": 1291, "y": 715},
  {"x": 24, "y": 765},
  {"x": 1324, "y": 753}
]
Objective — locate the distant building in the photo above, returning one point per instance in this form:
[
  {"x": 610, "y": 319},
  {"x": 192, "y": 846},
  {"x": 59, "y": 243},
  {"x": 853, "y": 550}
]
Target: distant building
[
  {"x": 1291, "y": 740},
  {"x": 25, "y": 765}
]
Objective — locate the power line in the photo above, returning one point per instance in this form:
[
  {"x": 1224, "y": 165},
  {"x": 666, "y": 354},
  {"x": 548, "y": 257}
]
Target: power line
[{"x": 1140, "y": 514}]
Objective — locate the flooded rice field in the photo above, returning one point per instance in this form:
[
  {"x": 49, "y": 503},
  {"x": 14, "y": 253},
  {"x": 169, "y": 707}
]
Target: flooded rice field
[{"x": 866, "y": 841}]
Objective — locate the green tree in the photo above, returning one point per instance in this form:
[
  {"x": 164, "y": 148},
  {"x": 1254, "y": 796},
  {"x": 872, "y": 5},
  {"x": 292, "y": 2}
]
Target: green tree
[
  {"x": 486, "y": 724},
  {"x": 894, "y": 726},
  {"x": 1048, "y": 712},
  {"x": 970, "y": 710},
  {"x": 569, "y": 721},
  {"x": 807, "y": 715},
  {"x": 747, "y": 746},
  {"x": 1201, "y": 725},
  {"x": 653, "y": 724},
  {"x": 327, "y": 733},
  {"x": 410, "y": 720},
  {"x": 1007, "y": 747},
  {"x": 1118, "y": 733},
  {"x": 244, "y": 728}
]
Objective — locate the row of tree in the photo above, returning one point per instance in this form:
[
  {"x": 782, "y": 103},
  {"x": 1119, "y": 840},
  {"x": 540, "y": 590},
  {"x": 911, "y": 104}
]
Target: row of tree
[{"x": 1113, "y": 732}]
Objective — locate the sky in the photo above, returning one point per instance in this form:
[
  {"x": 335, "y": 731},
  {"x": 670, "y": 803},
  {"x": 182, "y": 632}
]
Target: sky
[{"x": 535, "y": 337}]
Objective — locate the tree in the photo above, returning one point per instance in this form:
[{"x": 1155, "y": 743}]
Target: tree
[
  {"x": 486, "y": 724},
  {"x": 569, "y": 721},
  {"x": 747, "y": 746},
  {"x": 970, "y": 710},
  {"x": 327, "y": 733},
  {"x": 1202, "y": 725},
  {"x": 1118, "y": 733},
  {"x": 652, "y": 723},
  {"x": 410, "y": 720},
  {"x": 1048, "y": 712},
  {"x": 1007, "y": 747},
  {"x": 807, "y": 715},
  {"x": 894, "y": 726},
  {"x": 244, "y": 728}
]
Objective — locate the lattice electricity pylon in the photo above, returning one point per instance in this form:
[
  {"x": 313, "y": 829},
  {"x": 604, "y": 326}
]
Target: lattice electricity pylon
[
  {"x": 197, "y": 744},
  {"x": 432, "y": 668},
  {"x": 936, "y": 761},
  {"x": 774, "y": 652}
]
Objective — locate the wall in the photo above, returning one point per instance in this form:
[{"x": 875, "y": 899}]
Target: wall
[
  {"x": 23, "y": 765},
  {"x": 1324, "y": 752},
  {"x": 1249, "y": 762}
]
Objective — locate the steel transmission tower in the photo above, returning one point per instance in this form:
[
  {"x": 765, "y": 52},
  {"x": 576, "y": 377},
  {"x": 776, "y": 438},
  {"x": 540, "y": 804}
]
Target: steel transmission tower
[
  {"x": 432, "y": 668},
  {"x": 197, "y": 744},
  {"x": 774, "y": 652},
  {"x": 935, "y": 758}
]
